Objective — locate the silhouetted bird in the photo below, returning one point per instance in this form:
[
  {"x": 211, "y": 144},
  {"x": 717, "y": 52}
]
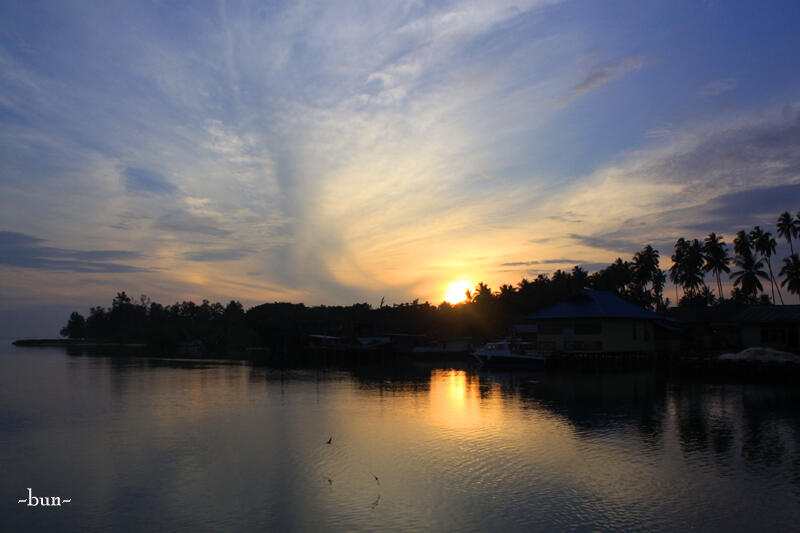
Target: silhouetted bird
[
  {"x": 376, "y": 478},
  {"x": 330, "y": 481},
  {"x": 329, "y": 440}
]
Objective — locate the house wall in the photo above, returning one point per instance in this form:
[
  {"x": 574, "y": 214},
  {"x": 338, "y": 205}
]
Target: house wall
[
  {"x": 751, "y": 335},
  {"x": 781, "y": 336},
  {"x": 625, "y": 335},
  {"x": 596, "y": 335}
]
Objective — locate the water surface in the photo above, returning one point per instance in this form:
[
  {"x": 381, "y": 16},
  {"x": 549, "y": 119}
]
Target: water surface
[{"x": 169, "y": 445}]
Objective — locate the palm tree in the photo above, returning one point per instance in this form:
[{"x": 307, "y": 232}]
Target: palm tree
[
  {"x": 788, "y": 228},
  {"x": 483, "y": 294},
  {"x": 507, "y": 297},
  {"x": 675, "y": 275},
  {"x": 748, "y": 274},
  {"x": 645, "y": 265},
  {"x": 659, "y": 280},
  {"x": 621, "y": 275},
  {"x": 506, "y": 290},
  {"x": 717, "y": 259},
  {"x": 708, "y": 297},
  {"x": 580, "y": 278},
  {"x": 644, "y": 268},
  {"x": 741, "y": 244},
  {"x": 791, "y": 274},
  {"x": 766, "y": 245},
  {"x": 692, "y": 268}
]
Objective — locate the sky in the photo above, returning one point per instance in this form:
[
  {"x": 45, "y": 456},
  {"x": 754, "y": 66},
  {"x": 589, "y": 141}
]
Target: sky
[{"x": 335, "y": 152}]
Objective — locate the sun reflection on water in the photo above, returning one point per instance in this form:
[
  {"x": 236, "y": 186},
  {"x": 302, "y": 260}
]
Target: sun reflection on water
[{"x": 456, "y": 401}]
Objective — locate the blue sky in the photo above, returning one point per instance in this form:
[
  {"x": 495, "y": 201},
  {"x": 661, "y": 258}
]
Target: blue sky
[{"x": 335, "y": 152}]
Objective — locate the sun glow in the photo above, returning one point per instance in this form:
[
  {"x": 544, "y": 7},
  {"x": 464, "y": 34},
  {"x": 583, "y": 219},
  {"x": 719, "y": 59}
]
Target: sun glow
[{"x": 456, "y": 291}]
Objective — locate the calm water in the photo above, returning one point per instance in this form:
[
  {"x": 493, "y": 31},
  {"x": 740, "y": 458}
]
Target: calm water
[{"x": 144, "y": 444}]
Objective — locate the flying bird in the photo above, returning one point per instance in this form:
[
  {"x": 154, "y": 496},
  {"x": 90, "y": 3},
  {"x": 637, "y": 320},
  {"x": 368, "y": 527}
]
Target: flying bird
[
  {"x": 329, "y": 440},
  {"x": 376, "y": 478}
]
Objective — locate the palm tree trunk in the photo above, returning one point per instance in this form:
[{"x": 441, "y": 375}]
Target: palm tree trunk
[
  {"x": 772, "y": 282},
  {"x": 719, "y": 287}
]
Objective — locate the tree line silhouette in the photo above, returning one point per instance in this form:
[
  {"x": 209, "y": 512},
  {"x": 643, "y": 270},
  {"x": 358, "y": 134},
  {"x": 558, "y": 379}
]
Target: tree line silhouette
[
  {"x": 483, "y": 314},
  {"x": 220, "y": 327},
  {"x": 753, "y": 251}
]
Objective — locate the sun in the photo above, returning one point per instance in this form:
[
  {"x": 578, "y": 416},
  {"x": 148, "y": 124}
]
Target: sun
[{"x": 456, "y": 291}]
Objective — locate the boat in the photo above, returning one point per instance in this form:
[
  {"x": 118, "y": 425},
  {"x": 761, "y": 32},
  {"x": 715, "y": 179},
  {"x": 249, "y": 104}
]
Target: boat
[{"x": 509, "y": 351}]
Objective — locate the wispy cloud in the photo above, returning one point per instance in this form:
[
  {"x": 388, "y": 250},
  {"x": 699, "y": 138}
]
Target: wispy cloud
[
  {"x": 604, "y": 74},
  {"x": 568, "y": 216},
  {"x": 722, "y": 180},
  {"x": 25, "y": 251},
  {"x": 543, "y": 262},
  {"x": 140, "y": 180},
  {"x": 662, "y": 131},
  {"x": 717, "y": 87},
  {"x": 231, "y": 254},
  {"x": 186, "y": 222},
  {"x": 623, "y": 246}
]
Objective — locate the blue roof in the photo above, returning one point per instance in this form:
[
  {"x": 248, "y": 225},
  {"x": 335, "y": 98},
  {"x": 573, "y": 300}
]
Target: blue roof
[{"x": 595, "y": 304}]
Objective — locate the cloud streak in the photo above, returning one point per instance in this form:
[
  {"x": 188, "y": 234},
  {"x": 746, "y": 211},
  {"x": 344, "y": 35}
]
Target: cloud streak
[
  {"x": 25, "y": 251},
  {"x": 181, "y": 221},
  {"x": 718, "y": 87},
  {"x": 543, "y": 262},
  {"x": 140, "y": 180},
  {"x": 602, "y": 75},
  {"x": 233, "y": 254},
  {"x": 702, "y": 183}
]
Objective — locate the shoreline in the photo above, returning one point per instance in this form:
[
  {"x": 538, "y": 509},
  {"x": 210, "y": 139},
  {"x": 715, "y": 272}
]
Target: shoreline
[
  {"x": 75, "y": 342},
  {"x": 697, "y": 364}
]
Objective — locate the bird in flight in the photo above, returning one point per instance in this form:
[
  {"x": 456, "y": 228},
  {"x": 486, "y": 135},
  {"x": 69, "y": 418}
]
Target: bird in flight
[
  {"x": 376, "y": 478},
  {"x": 330, "y": 440}
]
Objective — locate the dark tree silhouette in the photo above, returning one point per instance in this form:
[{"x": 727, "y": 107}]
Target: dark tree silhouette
[
  {"x": 675, "y": 271},
  {"x": 580, "y": 278},
  {"x": 506, "y": 291},
  {"x": 483, "y": 294},
  {"x": 691, "y": 268},
  {"x": 615, "y": 278},
  {"x": 748, "y": 275},
  {"x": 742, "y": 246},
  {"x": 659, "y": 280},
  {"x": 645, "y": 265},
  {"x": 788, "y": 228},
  {"x": 764, "y": 244},
  {"x": 708, "y": 297},
  {"x": 791, "y": 274},
  {"x": 716, "y": 258},
  {"x": 75, "y": 328}
]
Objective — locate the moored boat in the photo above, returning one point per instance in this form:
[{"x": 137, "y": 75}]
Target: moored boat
[{"x": 509, "y": 351}]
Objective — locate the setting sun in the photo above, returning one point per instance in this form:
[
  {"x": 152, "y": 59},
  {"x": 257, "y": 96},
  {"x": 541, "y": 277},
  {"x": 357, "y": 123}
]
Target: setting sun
[{"x": 456, "y": 291}]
